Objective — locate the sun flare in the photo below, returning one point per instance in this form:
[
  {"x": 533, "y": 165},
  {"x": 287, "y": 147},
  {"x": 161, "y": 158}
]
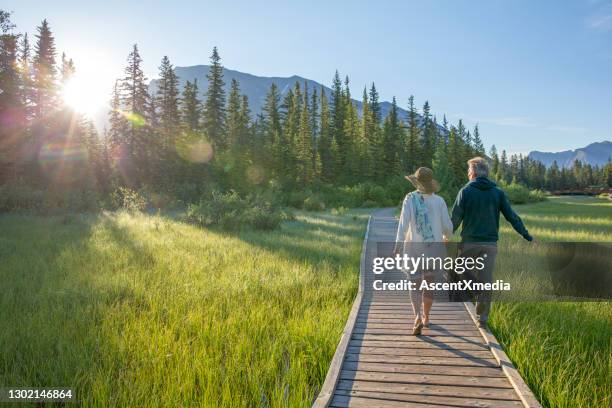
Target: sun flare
[{"x": 83, "y": 95}]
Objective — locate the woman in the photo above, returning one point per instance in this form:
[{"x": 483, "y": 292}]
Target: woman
[{"x": 424, "y": 220}]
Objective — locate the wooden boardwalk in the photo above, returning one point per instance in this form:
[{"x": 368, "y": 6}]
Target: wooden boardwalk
[{"x": 379, "y": 363}]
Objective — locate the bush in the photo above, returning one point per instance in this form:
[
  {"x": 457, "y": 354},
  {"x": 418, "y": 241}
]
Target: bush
[
  {"x": 519, "y": 194},
  {"x": 339, "y": 211},
  {"x": 296, "y": 198},
  {"x": 314, "y": 203},
  {"x": 230, "y": 211},
  {"x": 124, "y": 198},
  {"x": 20, "y": 197},
  {"x": 537, "y": 196},
  {"x": 15, "y": 197}
]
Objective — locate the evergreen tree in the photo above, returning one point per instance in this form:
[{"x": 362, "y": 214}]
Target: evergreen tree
[
  {"x": 444, "y": 173},
  {"x": 136, "y": 107},
  {"x": 392, "y": 139},
  {"x": 45, "y": 80},
  {"x": 479, "y": 149},
  {"x": 325, "y": 145},
  {"x": 338, "y": 111},
  {"x": 233, "y": 114},
  {"x": 214, "y": 107},
  {"x": 191, "y": 107},
  {"x": 305, "y": 152},
  {"x": 413, "y": 154},
  {"x": 67, "y": 69},
  {"x": 167, "y": 102},
  {"x": 428, "y": 137},
  {"x": 26, "y": 76},
  {"x": 375, "y": 105},
  {"x": 494, "y": 161},
  {"x": 11, "y": 103},
  {"x": 503, "y": 171}
]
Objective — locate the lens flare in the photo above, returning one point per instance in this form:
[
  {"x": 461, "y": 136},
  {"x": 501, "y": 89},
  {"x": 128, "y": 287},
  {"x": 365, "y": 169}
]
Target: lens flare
[
  {"x": 194, "y": 149},
  {"x": 134, "y": 118}
]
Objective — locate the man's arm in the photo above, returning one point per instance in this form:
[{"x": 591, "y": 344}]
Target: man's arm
[
  {"x": 513, "y": 218},
  {"x": 457, "y": 211}
]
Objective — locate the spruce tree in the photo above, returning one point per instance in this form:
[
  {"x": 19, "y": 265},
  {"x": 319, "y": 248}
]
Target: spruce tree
[
  {"x": 214, "y": 107},
  {"x": 375, "y": 105},
  {"x": 67, "y": 69},
  {"x": 135, "y": 102},
  {"x": 11, "y": 103},
  {"x": 428, "y": 137},
  {"x": 325, "y": 149},
  {"x": 191, "y": 107},
  {"x": 444, "y": 173},
  {"x": 413, "y": 158},
  {"x": 494, "y": 161},
  {"x": 26, "y": 76},
  {"x": 305, "y": 152},
  {"x": 479, "y": 149},
  {"x": 233, "y": 114},
  {"x": 391, "y": 144},
  {"x": 45, "y": 73},
  {"x": 338, "y": 111}
]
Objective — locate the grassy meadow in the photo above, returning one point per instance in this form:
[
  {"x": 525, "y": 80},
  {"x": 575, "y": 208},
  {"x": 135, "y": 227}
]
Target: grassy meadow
[
  {"x": 146, "y": 310},
  {"x": 141, "y": 310},
  {"x": 562, "y": 349}
]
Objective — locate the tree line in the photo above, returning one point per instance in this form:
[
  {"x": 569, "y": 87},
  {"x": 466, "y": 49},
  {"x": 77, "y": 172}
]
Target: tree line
[{"x": 172, "y": 142}]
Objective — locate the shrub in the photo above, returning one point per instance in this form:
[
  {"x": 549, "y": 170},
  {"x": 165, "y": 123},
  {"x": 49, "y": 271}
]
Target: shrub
[
  {"x": 519, "y": 194},
  {"x": 296, "y": 198},
  {"x": 339, "y": 211},
  {"x": 314, "y": 203},
  {"x": 127, "y": 199},
  {"x": 536, "y": 196},
  {"x": 15, "y": 197},
  {"x": 230, "y": 211}
]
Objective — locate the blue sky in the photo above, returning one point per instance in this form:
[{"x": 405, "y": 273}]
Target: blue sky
[{"x": 536, "y": 75}]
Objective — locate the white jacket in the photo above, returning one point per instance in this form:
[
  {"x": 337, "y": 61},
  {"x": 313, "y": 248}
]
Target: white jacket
[{"x": 441, "y": 225}]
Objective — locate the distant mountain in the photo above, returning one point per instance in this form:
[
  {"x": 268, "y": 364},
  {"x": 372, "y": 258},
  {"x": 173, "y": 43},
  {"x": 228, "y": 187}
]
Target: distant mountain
[
  {"x": 594, "y": 154},
  {"x": 257, "y": 87}
]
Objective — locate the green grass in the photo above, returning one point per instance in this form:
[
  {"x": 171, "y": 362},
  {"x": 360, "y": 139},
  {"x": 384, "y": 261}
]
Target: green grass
[
  {"x": 562, "y": 349},
  {"x": 139, "y": 310}
]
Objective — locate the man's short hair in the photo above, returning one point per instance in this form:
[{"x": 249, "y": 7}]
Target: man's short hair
[{"x": 480, "y": 166}]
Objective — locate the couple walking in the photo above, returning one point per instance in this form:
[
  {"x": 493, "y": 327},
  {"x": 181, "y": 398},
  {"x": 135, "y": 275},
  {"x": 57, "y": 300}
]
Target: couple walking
[{"x": 425, "y": 219}]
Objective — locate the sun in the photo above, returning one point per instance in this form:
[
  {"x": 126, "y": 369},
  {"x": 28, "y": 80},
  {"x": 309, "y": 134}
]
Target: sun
[{"x": 84, "y": 95}]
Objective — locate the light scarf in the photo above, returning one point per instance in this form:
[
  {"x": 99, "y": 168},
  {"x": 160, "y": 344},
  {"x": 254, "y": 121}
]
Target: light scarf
[{"x": 421, "y": 214}]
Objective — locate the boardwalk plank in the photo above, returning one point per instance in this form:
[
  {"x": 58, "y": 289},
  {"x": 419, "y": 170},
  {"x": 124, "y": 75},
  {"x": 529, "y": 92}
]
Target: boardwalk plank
[
  {"x": 423, "y": 369},
  {"x": 378, "y": 399},
  {"x": 427, "y": 389},
  {"x": 432, "y": 360}
]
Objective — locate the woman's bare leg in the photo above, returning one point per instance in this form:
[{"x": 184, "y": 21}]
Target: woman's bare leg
[{"x": 427, "y": 303}]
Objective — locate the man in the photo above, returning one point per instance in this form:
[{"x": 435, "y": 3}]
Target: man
[{"x": 477, "y": 207}]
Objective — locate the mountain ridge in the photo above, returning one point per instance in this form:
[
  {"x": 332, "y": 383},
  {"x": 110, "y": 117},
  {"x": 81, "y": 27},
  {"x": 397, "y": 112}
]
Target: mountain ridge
[
  {"x": 596, "y": 153},
  {"x": 256, "y": 87}
]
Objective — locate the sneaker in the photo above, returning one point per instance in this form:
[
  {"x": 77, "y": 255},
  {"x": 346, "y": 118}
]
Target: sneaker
[{"x": 482, "y": 324}]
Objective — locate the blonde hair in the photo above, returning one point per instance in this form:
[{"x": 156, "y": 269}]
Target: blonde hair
[{"x": 479, "y": 166}]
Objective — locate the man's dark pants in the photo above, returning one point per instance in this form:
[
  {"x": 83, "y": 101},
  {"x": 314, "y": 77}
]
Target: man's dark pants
[{"x": 488, "y": 251}]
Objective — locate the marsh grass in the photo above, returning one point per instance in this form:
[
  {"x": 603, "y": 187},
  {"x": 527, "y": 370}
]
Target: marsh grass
[
  {"x": 140, "y": 310},
  {"x": 562, "y": 349}
]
